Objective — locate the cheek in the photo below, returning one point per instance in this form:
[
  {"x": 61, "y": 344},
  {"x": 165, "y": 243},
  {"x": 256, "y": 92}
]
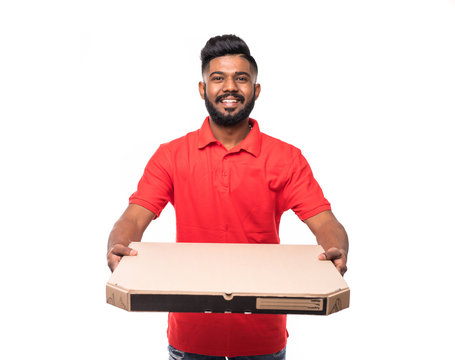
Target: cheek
[
  {"x": 211, "y": 92},
  {"x": 248, "y": 91}
]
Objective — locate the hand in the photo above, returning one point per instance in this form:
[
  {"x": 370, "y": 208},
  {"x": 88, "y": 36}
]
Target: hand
[
  {"x": 338, "y": 257},
  {"x": 116, "y": 253}
]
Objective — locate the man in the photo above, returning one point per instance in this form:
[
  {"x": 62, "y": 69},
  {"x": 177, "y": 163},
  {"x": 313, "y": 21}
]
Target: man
[{"x": 228, "y": 183}]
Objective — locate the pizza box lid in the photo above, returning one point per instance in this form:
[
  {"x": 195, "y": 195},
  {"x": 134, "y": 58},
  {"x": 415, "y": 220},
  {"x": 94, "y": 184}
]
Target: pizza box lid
[{"x": 212, "y": 277}]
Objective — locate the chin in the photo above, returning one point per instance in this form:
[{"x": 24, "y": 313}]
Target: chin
[{"x": 230, "y": 112}]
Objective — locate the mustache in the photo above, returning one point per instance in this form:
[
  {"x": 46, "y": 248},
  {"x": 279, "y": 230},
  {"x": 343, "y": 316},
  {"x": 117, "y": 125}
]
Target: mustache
[{"x": 237, "y": 96}]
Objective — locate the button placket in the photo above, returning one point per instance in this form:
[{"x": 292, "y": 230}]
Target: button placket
[{"x": 225, "y": 172}]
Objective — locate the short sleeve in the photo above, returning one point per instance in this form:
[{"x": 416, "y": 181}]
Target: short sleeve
[
  {"x": 302, "y": 192},
  {"x": 155, "y": 188}
]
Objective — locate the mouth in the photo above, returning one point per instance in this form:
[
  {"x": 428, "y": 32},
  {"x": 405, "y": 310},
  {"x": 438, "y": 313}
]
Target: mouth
[
  {"x": 230, "y": 104},
  {"x": 230, "y": 101}
]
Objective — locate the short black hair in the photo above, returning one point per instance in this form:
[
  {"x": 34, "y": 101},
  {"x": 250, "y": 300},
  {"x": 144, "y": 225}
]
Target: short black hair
[{"x": 226, "y": 45}]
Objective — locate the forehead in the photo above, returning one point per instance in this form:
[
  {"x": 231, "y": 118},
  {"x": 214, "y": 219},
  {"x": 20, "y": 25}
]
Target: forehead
[{"x": 229, "y": 64}]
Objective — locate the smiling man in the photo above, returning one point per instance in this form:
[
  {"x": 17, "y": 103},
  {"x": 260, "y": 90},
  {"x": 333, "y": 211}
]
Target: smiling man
[
  {"x": 230, "y": 90},
  {"x": 228, "y": 183}
]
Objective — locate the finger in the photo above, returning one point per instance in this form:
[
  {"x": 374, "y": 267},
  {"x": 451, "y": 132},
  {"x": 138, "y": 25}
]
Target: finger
[
  {"x": 122, "y": 250},
  {"x": 342, "y": 269},
  {"x": 340, "y": 265},
  {"x": 113, "y": 262},
  {"x": 333, "y": 254},
  {"x": 116, "y": 253}
]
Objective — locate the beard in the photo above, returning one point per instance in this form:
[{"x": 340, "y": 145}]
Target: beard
[{"x": 229, "y": 120}]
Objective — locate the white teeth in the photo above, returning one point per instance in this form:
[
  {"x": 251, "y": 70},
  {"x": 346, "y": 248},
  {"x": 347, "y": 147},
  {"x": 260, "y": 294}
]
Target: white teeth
[{"x": 230, "y": 101}]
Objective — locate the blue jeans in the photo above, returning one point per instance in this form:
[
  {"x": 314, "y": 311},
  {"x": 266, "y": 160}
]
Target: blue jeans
[{"x": 175, "y": 354}]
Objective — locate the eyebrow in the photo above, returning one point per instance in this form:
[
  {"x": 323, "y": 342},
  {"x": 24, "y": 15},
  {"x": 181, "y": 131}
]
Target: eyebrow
[{"x": 236, "y": 73}]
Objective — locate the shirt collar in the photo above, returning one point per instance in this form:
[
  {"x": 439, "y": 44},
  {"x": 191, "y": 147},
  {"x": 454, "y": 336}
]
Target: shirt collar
[{"x": 251, "y": 144}]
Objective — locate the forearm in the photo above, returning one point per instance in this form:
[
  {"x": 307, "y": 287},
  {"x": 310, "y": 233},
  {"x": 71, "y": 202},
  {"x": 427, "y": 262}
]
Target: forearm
[
  {"x": 130, "y": 227},
  {"x": 124, "y": 232},
  {"x": 332, "y": 235}
]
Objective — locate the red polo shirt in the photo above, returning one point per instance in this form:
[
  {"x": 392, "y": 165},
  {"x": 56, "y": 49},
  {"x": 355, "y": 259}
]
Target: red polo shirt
[{"x": 235, "y": 196}]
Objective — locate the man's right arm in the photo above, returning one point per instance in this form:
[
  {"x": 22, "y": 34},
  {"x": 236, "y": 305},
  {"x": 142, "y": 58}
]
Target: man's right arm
[{"x": 130, "y": 227}]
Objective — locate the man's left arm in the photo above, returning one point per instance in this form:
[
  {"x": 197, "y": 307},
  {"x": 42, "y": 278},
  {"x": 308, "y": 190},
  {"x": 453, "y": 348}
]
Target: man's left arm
[{"x": 332, "y": 236}]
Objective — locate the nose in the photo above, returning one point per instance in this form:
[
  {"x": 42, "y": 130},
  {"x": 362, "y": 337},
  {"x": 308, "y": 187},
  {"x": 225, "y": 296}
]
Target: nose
[{"x": 230, "y": 85}]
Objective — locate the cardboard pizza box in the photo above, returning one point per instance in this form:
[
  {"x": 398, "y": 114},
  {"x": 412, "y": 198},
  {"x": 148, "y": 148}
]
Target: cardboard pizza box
[{"x": 227, "y": 278}]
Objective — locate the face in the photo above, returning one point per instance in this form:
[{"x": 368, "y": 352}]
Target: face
[{"x": 229, "y": 89}]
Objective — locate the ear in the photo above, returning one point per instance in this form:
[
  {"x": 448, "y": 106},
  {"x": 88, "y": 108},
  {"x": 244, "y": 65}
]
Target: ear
[
  {"x": 201, "y": 89},
  {"x": 257, "y": 90}
]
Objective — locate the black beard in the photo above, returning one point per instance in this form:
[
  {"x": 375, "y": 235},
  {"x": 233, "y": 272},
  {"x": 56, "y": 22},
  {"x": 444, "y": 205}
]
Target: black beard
[{"x": 228, "y": 120}]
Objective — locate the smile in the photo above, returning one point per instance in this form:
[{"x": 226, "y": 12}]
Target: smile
[{"x": 230, "y": 99}]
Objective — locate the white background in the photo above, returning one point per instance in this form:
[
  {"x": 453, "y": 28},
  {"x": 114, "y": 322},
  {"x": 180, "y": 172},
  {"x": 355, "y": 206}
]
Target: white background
[{"x": 89, "y": 89}]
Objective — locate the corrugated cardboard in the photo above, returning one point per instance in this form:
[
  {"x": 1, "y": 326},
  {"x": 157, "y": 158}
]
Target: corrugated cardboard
[{"x": 241, "y": 278}]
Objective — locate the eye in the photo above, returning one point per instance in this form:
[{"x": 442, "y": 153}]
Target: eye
[
  {"x": 242, "y": 78},
  {"x": 217, "y": 78}
]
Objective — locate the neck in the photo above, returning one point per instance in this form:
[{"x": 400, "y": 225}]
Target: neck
[{"x": 230, "y": 136}]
